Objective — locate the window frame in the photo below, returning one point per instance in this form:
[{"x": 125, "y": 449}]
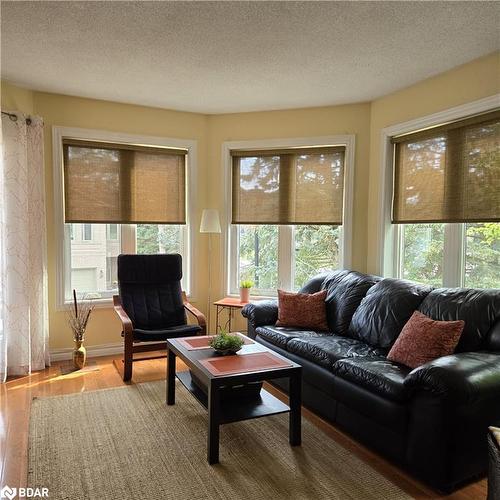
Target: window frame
[
  {"x": 285, "y": 244},
  {"x": 128, "y": 233},
  {"x": 390, "y": 236}
]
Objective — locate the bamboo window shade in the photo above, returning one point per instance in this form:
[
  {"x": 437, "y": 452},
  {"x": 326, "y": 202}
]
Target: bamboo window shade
[
  {"x": 449, "y": 173},
  {"x": 121, "y": 183},
  {"x": 288, "y": 186}
]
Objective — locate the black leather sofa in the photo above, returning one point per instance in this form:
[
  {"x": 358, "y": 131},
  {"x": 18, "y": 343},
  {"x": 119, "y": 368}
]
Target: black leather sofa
[{"x": 433, "y": 420}]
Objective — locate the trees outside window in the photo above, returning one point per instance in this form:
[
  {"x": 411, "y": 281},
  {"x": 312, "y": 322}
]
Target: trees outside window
[
  {"x": 265, "y": 258},
  {"x": 426, "y": 250}
]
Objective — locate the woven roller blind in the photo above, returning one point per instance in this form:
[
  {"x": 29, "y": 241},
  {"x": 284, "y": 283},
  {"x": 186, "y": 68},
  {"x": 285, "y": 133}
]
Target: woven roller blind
[
  {"x": 288, "y": 186},
  {"x": 449, "y": 173},
  {"x": 123, "y": 183}
]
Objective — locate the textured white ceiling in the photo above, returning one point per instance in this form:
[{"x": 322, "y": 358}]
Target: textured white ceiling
[{"x": 216, "y": 57}]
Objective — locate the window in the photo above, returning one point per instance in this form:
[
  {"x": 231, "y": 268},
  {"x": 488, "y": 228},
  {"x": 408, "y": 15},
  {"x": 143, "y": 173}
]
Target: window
[
  {"x": 446, "y": 203},
  {"x": 94, "y": 268},
  {"x": 118, "y": 195},
  {"x": 86, "y": 232},
  {"x": 112, "y": 231},
  {"x": 315, "y": 249},
  {"x": 287, "y": 215},
  {"x": 482, "y": 255}
]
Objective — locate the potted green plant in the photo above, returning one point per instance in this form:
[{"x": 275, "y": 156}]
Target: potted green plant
[
  {"x": 226, "y": 343},
  {"x": 245, "y": 286}
]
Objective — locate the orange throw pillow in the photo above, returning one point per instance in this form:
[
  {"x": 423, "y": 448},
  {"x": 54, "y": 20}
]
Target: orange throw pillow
[
  {"x": 423, "y": 339},
  {"x": 302, "y": 310}
]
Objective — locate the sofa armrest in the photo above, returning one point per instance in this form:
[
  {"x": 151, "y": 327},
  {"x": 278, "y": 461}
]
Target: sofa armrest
[
  {"x": 264, "y": 312},
  {"x": 462, "y": 378}
]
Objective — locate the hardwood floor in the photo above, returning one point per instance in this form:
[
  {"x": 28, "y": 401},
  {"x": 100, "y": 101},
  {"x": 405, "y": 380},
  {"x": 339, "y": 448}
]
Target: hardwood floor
[{"x": 16, "y": 395}]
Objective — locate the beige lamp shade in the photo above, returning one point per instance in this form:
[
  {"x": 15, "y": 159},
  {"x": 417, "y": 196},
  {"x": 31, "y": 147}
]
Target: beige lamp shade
[{"x": 210, "y": 222}]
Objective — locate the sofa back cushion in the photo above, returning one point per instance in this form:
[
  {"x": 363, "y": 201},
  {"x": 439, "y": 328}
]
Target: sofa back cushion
[
  {"x": 493, "y": 337},
  {"x": 345, "y": 290},
  {"x": 385, "y": 310},
  {"x": 480, "y": 309},
  {"x": 314, "y": 284}
]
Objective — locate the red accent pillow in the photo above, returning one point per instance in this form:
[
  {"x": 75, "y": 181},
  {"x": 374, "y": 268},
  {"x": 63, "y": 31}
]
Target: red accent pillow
[
  {"x": 303, "y": 310},
  {"x": 423, "y": 339}
]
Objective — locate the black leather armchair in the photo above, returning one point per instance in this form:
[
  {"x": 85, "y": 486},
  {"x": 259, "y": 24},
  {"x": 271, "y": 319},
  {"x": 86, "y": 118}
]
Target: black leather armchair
[{"x": 152, "y": 306}]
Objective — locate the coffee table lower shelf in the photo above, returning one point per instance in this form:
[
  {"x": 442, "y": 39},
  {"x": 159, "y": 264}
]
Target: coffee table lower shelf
[{"x": 245, "y": 408}]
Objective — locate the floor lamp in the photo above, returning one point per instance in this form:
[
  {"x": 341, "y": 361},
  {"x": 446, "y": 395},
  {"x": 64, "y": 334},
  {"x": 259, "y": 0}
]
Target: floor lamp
[{"x": 210, "y": 224}]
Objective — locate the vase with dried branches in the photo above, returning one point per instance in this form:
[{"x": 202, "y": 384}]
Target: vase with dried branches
[{"x": 78, "y": 317}]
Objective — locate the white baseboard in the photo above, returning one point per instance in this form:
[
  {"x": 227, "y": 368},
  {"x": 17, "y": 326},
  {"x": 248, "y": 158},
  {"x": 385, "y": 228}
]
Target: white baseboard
[{"x": 93, "y": 351}]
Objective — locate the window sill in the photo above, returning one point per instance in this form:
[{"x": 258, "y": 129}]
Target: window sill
[
  {"x": 104, "y": 303},
  {"x": 98, "y": 304},
  {"x": 255, "y": 297}
]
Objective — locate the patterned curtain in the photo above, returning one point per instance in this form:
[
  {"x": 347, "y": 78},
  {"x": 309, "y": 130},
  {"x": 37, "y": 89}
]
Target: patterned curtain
[{"x": 23, "y": 262}]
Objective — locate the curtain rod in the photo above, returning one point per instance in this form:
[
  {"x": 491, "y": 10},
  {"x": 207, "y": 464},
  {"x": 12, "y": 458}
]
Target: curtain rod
[{"x": 14, "y": 117}]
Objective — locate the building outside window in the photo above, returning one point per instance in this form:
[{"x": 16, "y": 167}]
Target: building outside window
[{"x": 94, "y": 267}]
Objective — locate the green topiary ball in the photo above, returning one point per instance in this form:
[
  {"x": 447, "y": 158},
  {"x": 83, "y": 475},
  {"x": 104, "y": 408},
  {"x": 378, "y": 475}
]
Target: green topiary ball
[{"x": 226, "y": 343}]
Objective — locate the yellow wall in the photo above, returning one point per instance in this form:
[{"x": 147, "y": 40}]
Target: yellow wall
[
  {"x": 467, "y": 83},
  {"x": 477, "y": 79},
  {"x": 16, "y": 98}
]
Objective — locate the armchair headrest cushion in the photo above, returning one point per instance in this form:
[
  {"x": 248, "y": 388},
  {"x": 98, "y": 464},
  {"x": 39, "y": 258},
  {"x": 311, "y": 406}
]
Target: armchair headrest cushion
[{"x": 151, "y": 269}]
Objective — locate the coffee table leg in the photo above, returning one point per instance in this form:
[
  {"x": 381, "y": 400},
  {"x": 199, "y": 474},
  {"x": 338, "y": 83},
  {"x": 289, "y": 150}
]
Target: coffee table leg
[
  {"x": 213, "y": 424},
  {"x": 295, "y": 409},
  {"x": 171, "y": 377}
]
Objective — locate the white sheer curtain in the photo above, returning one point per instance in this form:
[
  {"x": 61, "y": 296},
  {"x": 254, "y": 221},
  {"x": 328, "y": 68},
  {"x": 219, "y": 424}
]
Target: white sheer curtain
[{"x": 23, "y": 262}]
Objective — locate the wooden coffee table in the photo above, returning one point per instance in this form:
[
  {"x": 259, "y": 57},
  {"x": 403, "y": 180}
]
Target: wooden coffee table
[{"x": 231, "y": 397}]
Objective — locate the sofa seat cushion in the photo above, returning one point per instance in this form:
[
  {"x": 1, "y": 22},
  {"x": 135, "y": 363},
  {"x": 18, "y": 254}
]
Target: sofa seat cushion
[
  {"x": 378, "y": 375},
  {"x": 281, "y": 335},
  {"x": 326, "y": 350}
]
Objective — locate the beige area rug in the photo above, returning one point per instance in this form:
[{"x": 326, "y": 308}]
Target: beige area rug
[{"x": 125, "y": 443}]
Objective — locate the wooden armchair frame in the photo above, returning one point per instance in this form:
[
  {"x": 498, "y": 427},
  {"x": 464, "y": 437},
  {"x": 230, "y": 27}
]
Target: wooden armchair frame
[{"x": 131, "y": 346}]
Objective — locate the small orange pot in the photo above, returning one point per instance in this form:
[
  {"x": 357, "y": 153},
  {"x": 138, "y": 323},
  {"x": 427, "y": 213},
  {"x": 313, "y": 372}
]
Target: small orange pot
[{"x": 245, "y": 294}]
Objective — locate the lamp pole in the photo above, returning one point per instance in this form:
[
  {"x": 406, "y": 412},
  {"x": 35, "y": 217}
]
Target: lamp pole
[{"x": 210, "y": 224}]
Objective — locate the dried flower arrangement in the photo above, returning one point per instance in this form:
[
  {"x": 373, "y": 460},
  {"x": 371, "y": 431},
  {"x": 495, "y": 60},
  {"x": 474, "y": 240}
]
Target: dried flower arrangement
[{"x": 78, "y": 317}]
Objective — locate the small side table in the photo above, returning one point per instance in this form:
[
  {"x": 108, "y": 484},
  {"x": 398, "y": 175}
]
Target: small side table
[{"x": 229, "y": 304}]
